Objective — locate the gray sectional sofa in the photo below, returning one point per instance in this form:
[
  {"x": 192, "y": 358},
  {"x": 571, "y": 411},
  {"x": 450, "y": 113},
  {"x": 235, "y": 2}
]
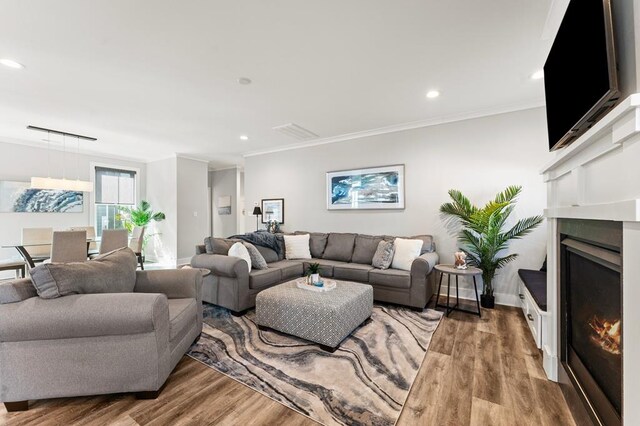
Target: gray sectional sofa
[{"x": 343, "y": 256}]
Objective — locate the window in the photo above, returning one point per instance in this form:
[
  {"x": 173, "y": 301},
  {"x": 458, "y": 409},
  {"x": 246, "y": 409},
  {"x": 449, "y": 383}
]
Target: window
[{"x": 114, "y": 188}]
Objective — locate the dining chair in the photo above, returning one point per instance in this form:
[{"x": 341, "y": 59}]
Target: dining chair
[
  {"x": 69, "y": 246},
  {"x": 91, "y": 236},
  {"x": 135, "y": 244},
  {"x": 113, "y": 239},
  {"x": 38, "y": 253}
]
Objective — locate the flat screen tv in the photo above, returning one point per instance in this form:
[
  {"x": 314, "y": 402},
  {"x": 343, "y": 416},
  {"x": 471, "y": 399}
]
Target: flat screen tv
[{"x": 580, "y": 78}]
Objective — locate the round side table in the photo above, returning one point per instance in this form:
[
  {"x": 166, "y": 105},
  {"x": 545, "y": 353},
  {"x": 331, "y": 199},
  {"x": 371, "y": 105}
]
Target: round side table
[{"x": 451, "y": 270}]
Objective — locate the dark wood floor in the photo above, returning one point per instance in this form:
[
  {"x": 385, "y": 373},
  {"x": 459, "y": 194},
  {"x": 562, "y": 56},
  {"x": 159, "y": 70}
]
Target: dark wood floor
[{"x": 477, "y": 372}]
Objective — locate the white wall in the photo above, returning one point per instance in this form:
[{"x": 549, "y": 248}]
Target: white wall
[
  {"x": 179, "y": 187},
  {"x": 226, "y": 182},
  {"x": 21, "y": 162},
  {"x": 162, "y": 193},
  {"x": 192, "y": 205},
  {"x": 480, "y": 157}
]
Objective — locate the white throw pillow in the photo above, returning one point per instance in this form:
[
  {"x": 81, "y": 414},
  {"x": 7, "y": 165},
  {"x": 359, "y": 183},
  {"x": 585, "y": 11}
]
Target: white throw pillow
[
  {"x": 406, "y": 252},
  {"x": 239, "y": 250},
  {"x": 297, "y": 247}
]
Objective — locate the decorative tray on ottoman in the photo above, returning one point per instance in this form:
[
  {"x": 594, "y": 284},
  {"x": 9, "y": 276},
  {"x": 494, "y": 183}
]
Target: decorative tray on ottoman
[{"x": 327, "y": 285}]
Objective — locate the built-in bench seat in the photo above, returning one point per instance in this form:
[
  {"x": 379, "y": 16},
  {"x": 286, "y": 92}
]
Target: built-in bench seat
[{"x": 533, "y": 301}]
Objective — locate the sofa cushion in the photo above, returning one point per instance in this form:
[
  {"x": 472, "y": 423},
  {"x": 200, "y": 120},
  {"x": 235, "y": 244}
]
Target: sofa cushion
[
  {"x": 17, "y": 291},
  {"x": 326, "y": 266},
  {"x": 289, "y": 268},
  {"x": 317, "y": 242},
  {"x": 269, "y": 255},
  {"x": 183, "y": 315},
  {"x": 390, "y": 278},
  {"x": 352, "y": 272},
  {"x": 239, "y": 250},
  {"x": 113, "y": 272},
  {"x": 218, "y": 245},
  {"x": 339, "y": 247},
  {"x": 406, "y": 251},
  {"x": 261, "y": 278},
  {"x": 257, "y": 260},
  {"x": 365, "y": 248},
  {"x": 384, "y": 255}
]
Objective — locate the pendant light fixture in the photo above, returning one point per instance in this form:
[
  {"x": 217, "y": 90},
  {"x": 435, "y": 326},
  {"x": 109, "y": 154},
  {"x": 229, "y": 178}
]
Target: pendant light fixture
[{"x": 63, "y": 184}]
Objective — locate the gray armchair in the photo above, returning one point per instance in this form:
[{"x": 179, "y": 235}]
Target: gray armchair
[{"x": 91, "y": 344}]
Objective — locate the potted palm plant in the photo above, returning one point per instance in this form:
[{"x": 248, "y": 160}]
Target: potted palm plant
[
  {"x": 141, "y": 215},
  {"x": 484, "y": 235}
]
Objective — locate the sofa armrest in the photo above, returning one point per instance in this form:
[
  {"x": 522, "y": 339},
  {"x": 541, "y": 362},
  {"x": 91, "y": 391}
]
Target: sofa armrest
[
  {"x": 173, "y": 283},
  {"x": 424, "y": 264},
  {"x": 83, "y": 315},
  {"x": 226, "y": 266}
]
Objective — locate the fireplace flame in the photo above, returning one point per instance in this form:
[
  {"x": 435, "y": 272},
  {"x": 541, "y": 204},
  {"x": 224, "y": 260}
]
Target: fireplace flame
[{"x": 607, "y": 334}]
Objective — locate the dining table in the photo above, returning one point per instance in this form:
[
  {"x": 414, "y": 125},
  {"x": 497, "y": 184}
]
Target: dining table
[{"x": 30, "y": 261}]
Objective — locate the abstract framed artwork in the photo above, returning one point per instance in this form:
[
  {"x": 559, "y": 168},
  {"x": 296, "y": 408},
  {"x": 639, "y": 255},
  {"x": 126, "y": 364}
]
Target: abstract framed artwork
[
  {"x": 224, "y": 205},
  {"x": 273, "y": 208},
  {"x": 370, "y": 188},
  {"x": 19, "y": 197}
]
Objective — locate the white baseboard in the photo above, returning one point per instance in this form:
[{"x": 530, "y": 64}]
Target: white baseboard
[
  {"x": 469, "y": 294},
  {"x": 550, "y": 363}
]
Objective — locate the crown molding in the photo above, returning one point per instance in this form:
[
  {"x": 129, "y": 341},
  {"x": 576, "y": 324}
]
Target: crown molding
[
  {"x": 188, "y": 157},
  {"x": 469, "y": 115}
]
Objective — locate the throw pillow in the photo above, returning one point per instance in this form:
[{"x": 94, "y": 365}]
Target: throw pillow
[
  {"x": 257, "y": 260},
  {"x": 239, "y": 250},
  {"x": 365, "y": 248},
  {"x": 113, "y": 272},
  {"x": 384, "y": 255},
  {"x": 297, "y": 247},
  {"x": 406, "y": 252}
]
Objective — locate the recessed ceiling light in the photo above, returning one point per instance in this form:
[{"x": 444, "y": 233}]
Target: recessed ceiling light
[
  {"x": 537, "y": 75},
  {"x": 244, "y": 80},
  {"x": 11, "y": 64},
  {"x": 244, "y": 137},
  {"x": 433, "y": 94}
]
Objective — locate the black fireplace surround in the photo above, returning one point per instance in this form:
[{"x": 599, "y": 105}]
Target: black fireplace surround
[{"x": 591, "y": 319}]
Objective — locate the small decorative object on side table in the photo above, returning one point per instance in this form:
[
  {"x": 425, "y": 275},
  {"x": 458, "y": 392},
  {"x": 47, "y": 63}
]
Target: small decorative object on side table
[
  {"x": 453, "y": 270},
  {"x": 460, "y": 261}
]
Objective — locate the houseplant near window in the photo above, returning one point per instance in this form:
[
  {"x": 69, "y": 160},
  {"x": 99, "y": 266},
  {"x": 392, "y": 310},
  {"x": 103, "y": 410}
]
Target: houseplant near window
[
  {"x": 484, "y": 236},
  {"x": 141, "y": 215}
]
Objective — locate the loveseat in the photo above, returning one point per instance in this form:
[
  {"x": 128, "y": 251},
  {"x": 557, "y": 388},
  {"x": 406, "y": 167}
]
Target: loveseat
[
  {"x": 99, "y": 343},
  {"x": 343, "y": 256}
]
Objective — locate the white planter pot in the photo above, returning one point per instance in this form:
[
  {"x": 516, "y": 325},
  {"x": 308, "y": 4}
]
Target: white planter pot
[{"x": 315, "y": 278}]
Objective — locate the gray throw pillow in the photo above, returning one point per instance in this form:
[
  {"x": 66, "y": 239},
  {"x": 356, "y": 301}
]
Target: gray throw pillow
[
  {"x": 113, "y": 272},
  {"x": 257, "y": 260},
  {"x": 218, "y": 245},
  {"x": 384, "y": 255},
  {"x": 16, "y": 291}
]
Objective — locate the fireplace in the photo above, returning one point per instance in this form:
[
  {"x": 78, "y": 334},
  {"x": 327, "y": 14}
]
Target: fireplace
[{"x": 591, "y": 318}]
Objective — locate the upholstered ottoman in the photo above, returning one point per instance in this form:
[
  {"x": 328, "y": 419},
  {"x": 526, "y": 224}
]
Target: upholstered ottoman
[{"x": 325, "y": 318}]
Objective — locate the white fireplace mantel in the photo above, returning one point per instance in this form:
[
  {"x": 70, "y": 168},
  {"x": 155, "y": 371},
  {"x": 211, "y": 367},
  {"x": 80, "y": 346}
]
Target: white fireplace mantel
[{"x": 598, "y": 177}]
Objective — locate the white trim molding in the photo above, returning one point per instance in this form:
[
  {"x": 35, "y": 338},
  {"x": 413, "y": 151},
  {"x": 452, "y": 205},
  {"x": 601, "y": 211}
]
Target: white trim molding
[{"x": 402, "y": 127}]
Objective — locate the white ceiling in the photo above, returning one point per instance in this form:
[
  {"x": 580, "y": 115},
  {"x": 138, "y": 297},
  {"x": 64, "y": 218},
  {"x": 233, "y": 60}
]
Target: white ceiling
[{"x": 151, "y": 78}]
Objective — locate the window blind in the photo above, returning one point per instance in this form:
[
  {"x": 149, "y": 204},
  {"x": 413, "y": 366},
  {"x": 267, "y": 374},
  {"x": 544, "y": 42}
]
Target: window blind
[{"x": 114, "y": 186}]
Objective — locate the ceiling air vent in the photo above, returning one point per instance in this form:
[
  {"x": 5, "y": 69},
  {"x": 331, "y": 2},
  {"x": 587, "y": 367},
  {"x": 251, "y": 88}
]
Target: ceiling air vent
[{"x": 295, "y": 131}]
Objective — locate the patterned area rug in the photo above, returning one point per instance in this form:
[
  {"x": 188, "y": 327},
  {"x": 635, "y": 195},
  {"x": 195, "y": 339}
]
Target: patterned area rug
[{"x": 366, "y": 381}]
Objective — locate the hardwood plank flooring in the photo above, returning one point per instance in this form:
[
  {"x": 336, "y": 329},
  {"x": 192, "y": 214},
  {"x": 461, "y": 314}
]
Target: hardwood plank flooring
[{"x": 478, "y": 371}]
